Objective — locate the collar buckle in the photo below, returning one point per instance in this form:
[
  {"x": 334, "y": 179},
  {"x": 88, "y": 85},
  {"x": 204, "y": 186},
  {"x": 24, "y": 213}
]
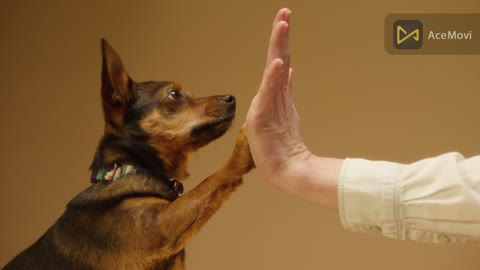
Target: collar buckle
[{"x": 176, "y": 186}]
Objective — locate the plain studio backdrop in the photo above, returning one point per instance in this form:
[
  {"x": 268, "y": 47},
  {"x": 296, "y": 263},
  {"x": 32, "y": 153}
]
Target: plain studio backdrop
[{"x": 354, "y": 99}]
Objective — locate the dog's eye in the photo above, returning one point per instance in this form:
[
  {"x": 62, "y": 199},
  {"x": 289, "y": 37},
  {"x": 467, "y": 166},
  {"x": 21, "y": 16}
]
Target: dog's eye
[{"x": 174, "y": 94}]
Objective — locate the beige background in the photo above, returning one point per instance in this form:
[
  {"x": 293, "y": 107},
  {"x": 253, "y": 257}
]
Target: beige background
[{"x": 354, "y": 100}]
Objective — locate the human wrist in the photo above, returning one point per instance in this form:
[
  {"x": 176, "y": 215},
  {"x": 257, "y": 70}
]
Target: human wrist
[{"x": 317, "y": 180}]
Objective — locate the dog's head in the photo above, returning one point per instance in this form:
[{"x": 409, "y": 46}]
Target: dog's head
[{"x": 157, "y": 116}]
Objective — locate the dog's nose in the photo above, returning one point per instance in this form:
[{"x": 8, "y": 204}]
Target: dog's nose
[{"x": 228, "y": 99}]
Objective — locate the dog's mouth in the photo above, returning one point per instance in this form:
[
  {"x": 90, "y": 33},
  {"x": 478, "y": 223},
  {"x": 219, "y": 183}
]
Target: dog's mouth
[
  {"x": 220, "y": 123},
  {"x": 207, "y": 132}
]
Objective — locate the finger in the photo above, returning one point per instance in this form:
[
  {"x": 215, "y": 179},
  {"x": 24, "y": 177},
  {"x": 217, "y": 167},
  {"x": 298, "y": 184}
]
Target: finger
[
  {"x": 285, "y": 52},
  {"x": 266, "y": 102},
  {"x": 278, "y": 37},
  {"x": 282, "y": 15},
  {"x": 271, "y": 83},
  {"x": 278, "y": 44}
]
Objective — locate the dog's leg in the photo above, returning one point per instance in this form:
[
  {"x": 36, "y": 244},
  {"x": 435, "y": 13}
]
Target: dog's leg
[{"x": 186, "y": 215}]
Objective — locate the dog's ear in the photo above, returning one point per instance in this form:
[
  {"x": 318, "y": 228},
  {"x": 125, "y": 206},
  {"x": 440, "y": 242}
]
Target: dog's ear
[{"x": 116, "y": 86}]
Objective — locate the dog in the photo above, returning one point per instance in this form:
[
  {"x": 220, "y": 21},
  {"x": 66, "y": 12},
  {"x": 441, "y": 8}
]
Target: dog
[{"x": 134, "y": 215}]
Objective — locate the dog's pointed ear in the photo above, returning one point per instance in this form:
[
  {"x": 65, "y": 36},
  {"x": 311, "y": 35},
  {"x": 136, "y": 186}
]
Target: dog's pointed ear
[{"x": 117, "y": 90}]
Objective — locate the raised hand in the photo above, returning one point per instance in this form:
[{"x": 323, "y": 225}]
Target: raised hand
[
  {"x": 273, "y": 125},
  {"x": 273, "y": 130}
]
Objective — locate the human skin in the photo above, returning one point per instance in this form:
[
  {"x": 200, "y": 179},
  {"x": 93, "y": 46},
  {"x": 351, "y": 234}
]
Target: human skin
[{"x": 273, "y": 130}]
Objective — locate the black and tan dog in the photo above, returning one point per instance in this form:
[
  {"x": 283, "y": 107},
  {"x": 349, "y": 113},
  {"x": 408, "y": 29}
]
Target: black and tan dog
[{"x": 132, "y": 216}]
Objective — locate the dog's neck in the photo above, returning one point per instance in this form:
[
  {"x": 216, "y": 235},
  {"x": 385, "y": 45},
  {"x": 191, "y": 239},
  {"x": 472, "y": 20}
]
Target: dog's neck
[
  {"x": 174, "y": 161},
  {"x": 171, "y": 163},
  {"x": 117, "y": 171}
]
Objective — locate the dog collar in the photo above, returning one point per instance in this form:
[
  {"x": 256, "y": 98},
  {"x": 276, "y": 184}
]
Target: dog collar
[{"x": 111, "y": 173}]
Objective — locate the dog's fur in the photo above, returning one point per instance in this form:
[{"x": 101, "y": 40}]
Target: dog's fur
[{"x": 137, "y": 221}]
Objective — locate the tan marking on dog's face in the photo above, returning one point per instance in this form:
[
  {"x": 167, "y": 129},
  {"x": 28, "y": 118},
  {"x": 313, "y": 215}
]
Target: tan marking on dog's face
[
  {"x": 180, "y": 124},
  {"x": 172, "y": 122}
]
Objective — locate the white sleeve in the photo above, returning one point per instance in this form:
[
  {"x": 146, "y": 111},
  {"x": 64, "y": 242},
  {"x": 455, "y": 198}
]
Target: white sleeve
[{"x": 435, "y": 200}]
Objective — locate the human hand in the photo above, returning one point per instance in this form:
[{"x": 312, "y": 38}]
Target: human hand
[
  {"x": 273, "y": 124},
  {"x": 273, "y": 130}
]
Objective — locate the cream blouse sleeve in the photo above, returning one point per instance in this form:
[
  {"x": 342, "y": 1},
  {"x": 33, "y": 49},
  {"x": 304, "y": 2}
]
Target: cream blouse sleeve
[{"x": 434, "y": 200}]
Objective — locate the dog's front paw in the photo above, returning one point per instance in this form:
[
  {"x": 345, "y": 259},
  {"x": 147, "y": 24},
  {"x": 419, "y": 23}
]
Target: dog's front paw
[{"x": 241, "y": 160}]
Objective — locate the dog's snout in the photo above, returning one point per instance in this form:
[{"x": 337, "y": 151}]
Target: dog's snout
[{"x": 229, "y": 99}]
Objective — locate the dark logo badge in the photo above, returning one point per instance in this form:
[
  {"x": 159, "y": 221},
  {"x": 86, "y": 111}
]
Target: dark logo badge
[{"x": 408, "y": 34}]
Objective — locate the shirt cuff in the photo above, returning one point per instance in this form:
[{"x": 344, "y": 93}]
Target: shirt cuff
[{"x": 367, "y": 194}]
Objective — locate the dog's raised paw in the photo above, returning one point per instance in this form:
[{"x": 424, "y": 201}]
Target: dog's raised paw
[{"x": 241, "y": 159}]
